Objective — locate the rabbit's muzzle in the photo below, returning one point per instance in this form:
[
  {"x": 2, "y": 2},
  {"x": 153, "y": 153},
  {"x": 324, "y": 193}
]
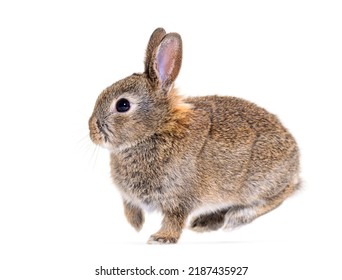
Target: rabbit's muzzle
[{"x": 98, "y": 131}]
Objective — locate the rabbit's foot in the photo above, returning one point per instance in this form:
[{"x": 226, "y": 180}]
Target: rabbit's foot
[
  {"x": 160, "y": 238},
  {"x": 208, "y": 222},
  {"x": 134, "y": 215}
]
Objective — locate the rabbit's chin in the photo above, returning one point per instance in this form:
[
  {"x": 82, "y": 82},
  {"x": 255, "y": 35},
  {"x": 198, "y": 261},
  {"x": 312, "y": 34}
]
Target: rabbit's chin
[
  {"x": 107, "y": 146},
  {"x": 117, "y": 148}
]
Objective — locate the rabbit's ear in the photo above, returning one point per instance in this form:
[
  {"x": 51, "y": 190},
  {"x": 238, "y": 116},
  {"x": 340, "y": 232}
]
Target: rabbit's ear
[
  {"x": 153, "y": 43},
  {"x": 166, "y": 61}
]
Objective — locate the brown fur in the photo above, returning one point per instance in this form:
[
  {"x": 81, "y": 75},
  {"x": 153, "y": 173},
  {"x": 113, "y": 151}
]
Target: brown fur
[{"x": 221, "y": 160}]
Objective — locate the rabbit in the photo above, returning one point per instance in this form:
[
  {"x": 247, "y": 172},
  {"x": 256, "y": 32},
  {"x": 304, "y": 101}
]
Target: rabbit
[{"x": 204, "y": 162}]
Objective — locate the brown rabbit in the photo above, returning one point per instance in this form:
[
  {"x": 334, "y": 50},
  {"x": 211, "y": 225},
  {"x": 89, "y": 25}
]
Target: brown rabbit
[{"x": 219, "y": 161}]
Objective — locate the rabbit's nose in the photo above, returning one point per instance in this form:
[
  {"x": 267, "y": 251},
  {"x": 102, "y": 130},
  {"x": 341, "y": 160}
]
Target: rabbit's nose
[
  {"x": 103, "y": 128},
  {"x": 99, "y": 125}
]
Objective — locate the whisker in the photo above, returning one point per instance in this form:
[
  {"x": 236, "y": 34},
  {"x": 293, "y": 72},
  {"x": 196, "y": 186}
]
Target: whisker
[
  {"x": 92, "y": 157},
  {"x": 88, "y": 150},
  {"x": 95, "y": 155},
  {"x": 83, "y": 144},
  {"x": 84, "y": 140}
]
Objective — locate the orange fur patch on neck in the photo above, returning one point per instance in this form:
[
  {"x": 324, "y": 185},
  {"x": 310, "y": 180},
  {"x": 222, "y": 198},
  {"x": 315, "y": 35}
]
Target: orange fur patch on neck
[
  {"x": 181, "y": 114},
  {"x": 179, "y": 108}
]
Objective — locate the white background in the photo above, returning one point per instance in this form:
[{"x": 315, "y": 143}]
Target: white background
[{"x": 61, "y": 217}]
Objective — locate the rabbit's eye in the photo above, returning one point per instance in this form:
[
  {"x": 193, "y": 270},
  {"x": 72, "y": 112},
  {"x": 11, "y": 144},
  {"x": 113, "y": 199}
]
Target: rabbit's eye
[{"x": 122, "y": 105}]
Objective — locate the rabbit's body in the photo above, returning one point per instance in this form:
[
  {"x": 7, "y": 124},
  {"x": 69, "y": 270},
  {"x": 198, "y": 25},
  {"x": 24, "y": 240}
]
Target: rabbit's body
[
  {"x": 202, "y": 170},
  {"x": 222, "y": 161}
]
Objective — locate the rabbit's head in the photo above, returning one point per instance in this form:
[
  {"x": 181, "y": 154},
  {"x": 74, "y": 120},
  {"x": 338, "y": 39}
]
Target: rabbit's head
[{"x": 142, "y": 104}]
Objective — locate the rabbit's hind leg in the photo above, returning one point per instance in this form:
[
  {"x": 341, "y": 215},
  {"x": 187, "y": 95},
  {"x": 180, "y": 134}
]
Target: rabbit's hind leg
[
  {"x": 239, "y": 215},
  {"x": 209, "y": 221},
  {"x": 244, "y": 214}
]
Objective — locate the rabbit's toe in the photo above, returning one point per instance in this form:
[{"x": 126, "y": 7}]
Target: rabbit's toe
[{"x": 160, "y": 239}]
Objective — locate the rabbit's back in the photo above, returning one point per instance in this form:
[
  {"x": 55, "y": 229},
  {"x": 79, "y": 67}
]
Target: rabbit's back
[{"x": 248, "y": 152}]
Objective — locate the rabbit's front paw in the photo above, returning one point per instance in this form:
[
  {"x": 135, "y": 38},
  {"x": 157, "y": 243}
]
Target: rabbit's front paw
[
  {"x": 134, "y": 215},
  {"x": 162, "y": 239}
]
